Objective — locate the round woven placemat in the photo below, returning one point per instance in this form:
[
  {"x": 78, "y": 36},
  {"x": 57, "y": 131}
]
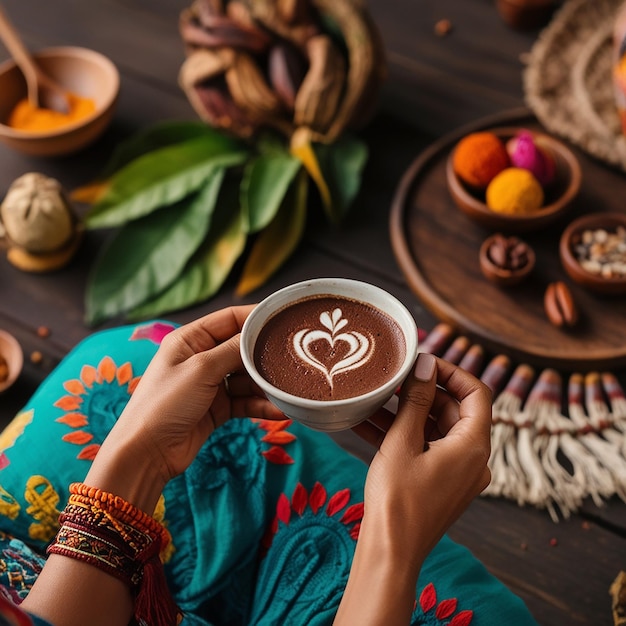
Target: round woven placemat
[{"x": 568, "y": 81}]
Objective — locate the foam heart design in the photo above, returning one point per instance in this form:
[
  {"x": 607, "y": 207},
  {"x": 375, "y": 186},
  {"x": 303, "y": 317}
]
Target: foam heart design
[{"x": 359, "y": 346}]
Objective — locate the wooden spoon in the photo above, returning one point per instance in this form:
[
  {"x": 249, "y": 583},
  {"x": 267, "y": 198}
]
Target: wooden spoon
[{"x": 42, "y": 90}]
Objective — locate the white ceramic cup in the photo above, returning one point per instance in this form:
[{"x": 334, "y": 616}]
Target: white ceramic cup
[{"x": 329, "y": 415}]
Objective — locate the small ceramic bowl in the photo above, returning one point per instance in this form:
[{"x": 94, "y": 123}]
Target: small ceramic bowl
[
  {"x": 332, "y": 415},
  {"x": 499, "y": 273},
  {"x": 84, "y": 72},
  {"x": 558, "y": 196},
  {"x": 572, "y": 237},
  {"x": 12, "y": 359}
]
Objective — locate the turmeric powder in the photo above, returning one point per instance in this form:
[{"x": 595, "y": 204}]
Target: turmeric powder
[
  {"x": 515, "y": 191},
  {"x": 34, "y": 119}
]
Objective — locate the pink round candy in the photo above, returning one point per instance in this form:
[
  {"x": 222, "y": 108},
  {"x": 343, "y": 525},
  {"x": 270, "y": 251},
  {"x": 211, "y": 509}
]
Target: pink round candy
[{"x": 525, "y": 153}]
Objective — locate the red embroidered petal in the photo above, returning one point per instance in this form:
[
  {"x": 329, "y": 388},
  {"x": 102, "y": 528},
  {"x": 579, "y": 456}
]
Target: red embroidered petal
[
  {"x": 464, "y": 618},
  {"x": 280, "y": 437},
  {"x": 338, "y": 501},
  {"x": 317, "y": 497},
  {"x": 273, "y": 425},
  {"x": 78, "y": 437},
  {"x": 353, "y": 513},
  {"x": 106, "y": 369},
  {"x": 428, "y": 597},
  {"x": 4, "y": 461},
  {"x": 75, "y": 387},
  {"x": 277, "y": 455},
  {"x": 446, "y": 608},
  {"x": 299, "y": 499},
  {"x": 75, "y": 420},
  {"x": 88, "y": 453},
  {"x": 132, "y": 385},
  {"x": 354, "y": 533},
  {"x": 283, "y": 509},
  {"x": 69, "y": 403},
  {"x": 88, "y": 375},
  {"x": 124, "y": 373}
]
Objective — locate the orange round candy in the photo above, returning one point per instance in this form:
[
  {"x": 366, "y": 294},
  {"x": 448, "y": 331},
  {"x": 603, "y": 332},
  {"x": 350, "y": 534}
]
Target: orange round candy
[{"x": 479, "y": 157}]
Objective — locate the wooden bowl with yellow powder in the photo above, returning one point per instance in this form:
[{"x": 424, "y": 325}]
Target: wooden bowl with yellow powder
[
  {"x": 556, "y": 197},
  {"x": 91, "y": 79}
]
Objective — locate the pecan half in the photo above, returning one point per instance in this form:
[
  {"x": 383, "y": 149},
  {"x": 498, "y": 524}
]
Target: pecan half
[{"x": 559, "y": 305}]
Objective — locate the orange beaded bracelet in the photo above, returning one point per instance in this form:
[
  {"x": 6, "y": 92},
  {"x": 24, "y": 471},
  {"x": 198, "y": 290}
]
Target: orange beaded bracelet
[{"x": 108, "y": 532}]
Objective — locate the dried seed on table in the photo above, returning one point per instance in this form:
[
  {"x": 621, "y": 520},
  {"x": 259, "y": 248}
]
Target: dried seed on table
[
  {"x": 443, "y": 27},
  {"x": 36, "y": 357},
  {"x": 559, "y": 305}
]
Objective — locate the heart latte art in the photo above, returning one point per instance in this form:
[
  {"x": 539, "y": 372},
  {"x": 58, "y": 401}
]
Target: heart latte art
[
  {"x": 329, "y": 348},
  {"x": 357, "y": 347}
]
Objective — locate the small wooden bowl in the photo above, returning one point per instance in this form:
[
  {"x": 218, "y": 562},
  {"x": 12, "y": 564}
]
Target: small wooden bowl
[
  {"x": 81, "y": 71},
  {"x": 12, "y": 355},
  {"x": 499, "y": 275},
  {"x": 558, "y": 196},
  {"x": 525, "y": 14},
  {"x": 571, "y": 237}
]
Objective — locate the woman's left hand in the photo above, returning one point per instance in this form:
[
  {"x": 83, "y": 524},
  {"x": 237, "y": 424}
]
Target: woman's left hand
[{"x": 183, "y": 396}]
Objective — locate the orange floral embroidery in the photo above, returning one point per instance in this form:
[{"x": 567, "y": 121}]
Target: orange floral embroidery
[{"x": 117, "y": 383}]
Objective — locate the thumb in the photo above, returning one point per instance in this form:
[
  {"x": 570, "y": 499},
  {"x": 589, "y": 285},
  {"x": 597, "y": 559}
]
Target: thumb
[
  {"x": 221, "y": 360},
  {"x": 416, "y": 400}
]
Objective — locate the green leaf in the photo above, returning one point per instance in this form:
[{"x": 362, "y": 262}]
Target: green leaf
[
  {"x": 342, "y": 163},
  {"x": 277, "y": 242},
  {"x": 264, "y": 185},
  {"x": 205, "y": 272},
  {"x": 270, "y": 142},
  {"x": 159, "y": 178},
  {"x": 161, "y": 135},
  {"x": 147, "y": 255}
]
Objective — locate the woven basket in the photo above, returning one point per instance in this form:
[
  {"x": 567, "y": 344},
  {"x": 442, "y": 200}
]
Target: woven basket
[{"x": 568, "y": 81}]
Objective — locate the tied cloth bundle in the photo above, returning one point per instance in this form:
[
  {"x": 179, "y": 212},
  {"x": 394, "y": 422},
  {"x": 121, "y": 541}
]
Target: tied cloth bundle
[{"x": 542, "y": 455}]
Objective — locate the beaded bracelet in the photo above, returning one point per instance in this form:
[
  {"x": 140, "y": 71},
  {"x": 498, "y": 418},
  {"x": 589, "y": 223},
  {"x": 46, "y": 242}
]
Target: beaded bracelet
[{"x": 104, "y": 530}]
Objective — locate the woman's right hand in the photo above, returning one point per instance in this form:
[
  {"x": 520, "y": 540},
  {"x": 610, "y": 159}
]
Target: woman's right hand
[
  {"x": 432, "y": 456},
  {"x": 431, "y": 463}
]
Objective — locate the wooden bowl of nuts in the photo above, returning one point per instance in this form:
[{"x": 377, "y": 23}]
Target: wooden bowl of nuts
[
  {"x": 506, "y": 261},
  {"x": 522, "y": 180},
  {"x": 593, "y": 252},
  {"x": 11, "y": 360}
]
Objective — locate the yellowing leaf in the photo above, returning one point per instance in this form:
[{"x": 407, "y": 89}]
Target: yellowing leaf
[
  {"x": 207, "y": 269},
  {"x": 90, "y": 193},
  {"x": 275, "y": 244},
  {"x": 302, "y": 149}
]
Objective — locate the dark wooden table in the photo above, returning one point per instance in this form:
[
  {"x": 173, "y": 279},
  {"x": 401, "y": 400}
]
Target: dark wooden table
[{"x": 435, "y": 85}]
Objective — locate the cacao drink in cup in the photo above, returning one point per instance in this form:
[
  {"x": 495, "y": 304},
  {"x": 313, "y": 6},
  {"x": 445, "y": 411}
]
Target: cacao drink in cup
[{"x": 329, "y": 352}]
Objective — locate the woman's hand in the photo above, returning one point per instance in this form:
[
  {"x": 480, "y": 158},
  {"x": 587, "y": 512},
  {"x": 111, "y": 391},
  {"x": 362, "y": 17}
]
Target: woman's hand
[
  {"x": 432, "y": 456},
  {"x": 431, "y": 463},
  {"x": 181, "y": 398}
]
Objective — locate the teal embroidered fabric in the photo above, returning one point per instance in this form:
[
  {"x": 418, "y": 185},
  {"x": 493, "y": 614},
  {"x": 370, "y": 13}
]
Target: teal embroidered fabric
[{"x": 263, "y": 523}]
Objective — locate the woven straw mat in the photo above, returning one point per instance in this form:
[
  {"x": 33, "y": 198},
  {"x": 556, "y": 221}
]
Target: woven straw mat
[{"x": 568, "y": 82}]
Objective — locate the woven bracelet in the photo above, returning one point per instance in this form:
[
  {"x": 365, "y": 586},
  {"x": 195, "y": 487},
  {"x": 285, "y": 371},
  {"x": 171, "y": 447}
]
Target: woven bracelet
[{"x": 104, "y": 530}]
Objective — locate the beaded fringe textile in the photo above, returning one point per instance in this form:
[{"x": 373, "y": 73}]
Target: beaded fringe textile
[{"x": 553, "y": 443}]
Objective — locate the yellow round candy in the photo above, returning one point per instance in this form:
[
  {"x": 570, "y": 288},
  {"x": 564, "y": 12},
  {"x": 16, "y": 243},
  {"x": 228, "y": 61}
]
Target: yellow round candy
[{"x": 515, "y": 191}]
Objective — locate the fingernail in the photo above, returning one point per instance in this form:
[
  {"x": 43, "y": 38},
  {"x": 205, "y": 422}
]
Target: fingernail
[{"x": 425, "y": 367}]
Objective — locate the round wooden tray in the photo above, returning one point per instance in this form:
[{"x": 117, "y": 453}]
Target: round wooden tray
[{"x": 437, "y": 246}]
